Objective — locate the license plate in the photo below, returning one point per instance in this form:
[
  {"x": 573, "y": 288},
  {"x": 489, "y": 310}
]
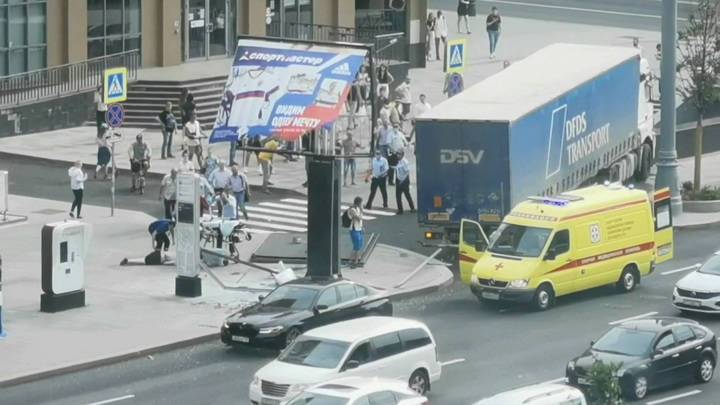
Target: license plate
[
  {"x": 268, "y": 401},
  {"x": 241, "y": 339},
  {"x": 692, "y": 303},
  {"x": 583, "y": 381},
  {"x": 490, "y": 295}
]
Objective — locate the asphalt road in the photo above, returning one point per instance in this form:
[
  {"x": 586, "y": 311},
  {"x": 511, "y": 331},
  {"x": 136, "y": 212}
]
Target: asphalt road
[
  {"x": 500, "y": 348},
  {"x": 640, "y": 14}
]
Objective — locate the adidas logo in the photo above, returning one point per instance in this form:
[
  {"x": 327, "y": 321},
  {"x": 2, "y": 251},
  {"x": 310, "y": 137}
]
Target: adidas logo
[
  {"x": 343, "y": 69},
  {"x": 456, "y": 58}
]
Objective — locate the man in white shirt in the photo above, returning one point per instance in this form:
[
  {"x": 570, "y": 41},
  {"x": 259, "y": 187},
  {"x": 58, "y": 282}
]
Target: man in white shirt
[
  {"x": 384, "y": 137},
  {"x": 100, "y": 108},
  {"x": 185, "y": 165},
  {"x": 77, "y": 184},
  {"x": 404, "y": 97},
  {"x": 421, "y": 107},
  {"x": 193, "y": 134},
  {"x": 168, "y": 193},
  {"x": 229, "y": 206},
  {"x": 441, "y": 33},
  {"x": 397, "y": 145},
  {"x": 379, "y": 172},
  {"x": 403, "y": 184},
  {"x": 220, "y": 178}
]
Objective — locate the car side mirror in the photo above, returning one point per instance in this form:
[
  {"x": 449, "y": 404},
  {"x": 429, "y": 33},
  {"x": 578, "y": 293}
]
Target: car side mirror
[
  {"x": 480, "y": 246},
  {"x": 319, "y": 308},
  {"x": 592, "y": 342},
  {"x": 261, "y": 298},
  {"x": 550, "y": 255},
  {"x": 351, "y": 365},
  {"x": 658, "y": 352}
]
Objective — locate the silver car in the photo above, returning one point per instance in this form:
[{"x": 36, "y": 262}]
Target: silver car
[{"x": 699, "y": 291}]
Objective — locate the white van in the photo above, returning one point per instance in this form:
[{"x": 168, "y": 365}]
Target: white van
[
  {"x": 540, "y": 394},
  {"x": 375, "y": 346}
]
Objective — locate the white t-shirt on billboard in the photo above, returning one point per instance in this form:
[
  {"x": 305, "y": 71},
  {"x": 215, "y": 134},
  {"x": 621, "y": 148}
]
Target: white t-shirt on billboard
[{"x": 254, "y": 95}]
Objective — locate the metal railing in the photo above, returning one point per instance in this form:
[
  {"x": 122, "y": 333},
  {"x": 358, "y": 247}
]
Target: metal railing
[
  {"x": 397, "y": 51},
  {"x": 63, "y": 80}
]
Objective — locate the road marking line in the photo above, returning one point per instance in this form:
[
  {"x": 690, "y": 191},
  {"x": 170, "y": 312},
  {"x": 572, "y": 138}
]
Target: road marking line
[
  {"x": 284, "y": 206},
  {"x": 279, "y": 219},
  {"x": 343, "y": 206},
  {"x": 694, "y": 266},
  {"x": 586, "y": 10},
  {"x": 632, "y": 318},
  {"x": 674, "y": 397},
  {"x": 451, "y": 362},
  {"x": 274, "y": 226},
  {"x": 251, "y": 208},
  {"x": 263, "y": 231},
  {"x": 111, "y": 400}
]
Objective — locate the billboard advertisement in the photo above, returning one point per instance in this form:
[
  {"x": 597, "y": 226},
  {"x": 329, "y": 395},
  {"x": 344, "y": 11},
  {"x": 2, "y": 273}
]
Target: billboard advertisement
[{"x": 284, "y": 89}]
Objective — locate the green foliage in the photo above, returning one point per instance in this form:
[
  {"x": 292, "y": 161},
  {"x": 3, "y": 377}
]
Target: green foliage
[
  {"x": 707, "y": 193},
  {"x": 604, "y": 385}
]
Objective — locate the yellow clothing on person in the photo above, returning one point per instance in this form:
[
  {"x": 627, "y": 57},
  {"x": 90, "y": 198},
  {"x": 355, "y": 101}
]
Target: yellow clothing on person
[{"x": 271, "y": 145}]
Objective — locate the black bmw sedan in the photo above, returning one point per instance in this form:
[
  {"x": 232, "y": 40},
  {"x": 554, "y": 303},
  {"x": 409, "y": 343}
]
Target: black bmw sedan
[
  {"x": 651, "y": 352},
  {"x": 300, "y": 305}
]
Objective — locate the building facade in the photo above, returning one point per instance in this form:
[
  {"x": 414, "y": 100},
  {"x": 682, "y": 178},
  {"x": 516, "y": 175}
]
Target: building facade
[{"x": 35, "y": 34}]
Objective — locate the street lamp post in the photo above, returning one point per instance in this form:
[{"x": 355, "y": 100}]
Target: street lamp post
[{"x": 667, "y": 154}]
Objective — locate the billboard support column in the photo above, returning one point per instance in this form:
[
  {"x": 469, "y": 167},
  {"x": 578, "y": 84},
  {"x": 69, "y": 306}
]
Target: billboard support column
[
  {"x": 323, "y": 253},
  {"x": 667, "y": 163}
]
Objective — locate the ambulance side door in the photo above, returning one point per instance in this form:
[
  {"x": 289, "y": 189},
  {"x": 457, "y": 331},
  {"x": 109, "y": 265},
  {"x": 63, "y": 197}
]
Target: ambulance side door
[
  {"x": 662, "y": 218},
  {"x": 471, "y": 247}
]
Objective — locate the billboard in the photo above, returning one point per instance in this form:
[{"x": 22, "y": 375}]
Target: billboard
[{"x": 284, "y": 89}]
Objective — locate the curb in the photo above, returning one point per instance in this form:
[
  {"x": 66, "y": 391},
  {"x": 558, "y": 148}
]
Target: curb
[
  {"x": 696, "y": 227},
  {"x": 108, "y": 360},
  {"x": 150, "y": 174}
]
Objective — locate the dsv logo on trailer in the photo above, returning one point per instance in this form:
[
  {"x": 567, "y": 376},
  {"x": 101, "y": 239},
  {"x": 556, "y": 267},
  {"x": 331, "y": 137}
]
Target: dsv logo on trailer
[{"x": 460, "y": 156}]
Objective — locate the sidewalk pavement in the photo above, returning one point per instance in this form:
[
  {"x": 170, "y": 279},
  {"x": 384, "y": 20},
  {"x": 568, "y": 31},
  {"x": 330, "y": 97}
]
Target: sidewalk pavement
[{"x": 132, "y": 310}]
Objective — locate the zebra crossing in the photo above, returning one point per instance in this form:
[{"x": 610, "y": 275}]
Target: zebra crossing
[{"x": 289, "y": 215}]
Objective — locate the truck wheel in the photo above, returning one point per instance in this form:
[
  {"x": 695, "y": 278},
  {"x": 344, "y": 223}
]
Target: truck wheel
[
  {"x": 544, "y": 297},
  {"x": 643, "y": 170},
  {"x": 629, "y": 279}
]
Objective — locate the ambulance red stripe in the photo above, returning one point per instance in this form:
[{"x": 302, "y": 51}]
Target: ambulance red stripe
[{"x": 605, "y": 256}]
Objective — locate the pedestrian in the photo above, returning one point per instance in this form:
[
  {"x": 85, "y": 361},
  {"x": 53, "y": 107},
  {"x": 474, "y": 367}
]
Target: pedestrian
[
  {"x": 168, "y": 193},
  {"x": 422, "y": 106},
  {"x": 240, "y": 189},
  {"x": 403, "y": 184},
  {"x": 193, "y": 132},
  {"x": 159, "y": 230},
  {"x": 349, "y": 164},
  {"x": 100, "y": 108},
  {"x": 384, "y": 136},
  {"x": 140, "y": 154},
  {"x": 253, "y": 142},
  {"x": 187, "y": 107},
  {"x": 77, "y": 184},
  {"x": 103, "y": 152},
  {"x": 397, "y": 146},
  {"x": 363, "y": 81},
  {"x": 266, "y": 162},
  {"x": 454, "y": 84},
  {"x": 229, "y": 205},
  {"x": 441, "y": 33},
  {"x": 168, "y": 124},
  {"x": 357, "y": 234},
  {"x": 493, "y": 23},
  {"x": 404, "y": 97},
  {"x": 379, "y": 173},
  {"x": 384, "y": 79},
  {"x": 463, "y": 9},
  {"x": 219, "y": 178},
  {"x": 185, "y": 165},
  {"x": 430, "y": 25}
]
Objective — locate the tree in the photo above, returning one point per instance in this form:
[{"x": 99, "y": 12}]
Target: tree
[
  {"x": 699, "y": 67},
  {"x": 604, "y": 385}
]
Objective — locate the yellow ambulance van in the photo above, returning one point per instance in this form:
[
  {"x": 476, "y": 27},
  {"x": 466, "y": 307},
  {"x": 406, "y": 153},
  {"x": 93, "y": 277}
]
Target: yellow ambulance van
[{"x": 547, "y": 247}]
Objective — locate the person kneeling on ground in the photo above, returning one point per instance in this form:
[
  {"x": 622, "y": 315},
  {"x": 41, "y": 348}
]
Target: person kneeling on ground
[{"x": 159, "y": 231}]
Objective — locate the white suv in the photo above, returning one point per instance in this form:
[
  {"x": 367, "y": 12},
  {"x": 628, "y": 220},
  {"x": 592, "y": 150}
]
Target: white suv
[{"x": 375, "y": 346}]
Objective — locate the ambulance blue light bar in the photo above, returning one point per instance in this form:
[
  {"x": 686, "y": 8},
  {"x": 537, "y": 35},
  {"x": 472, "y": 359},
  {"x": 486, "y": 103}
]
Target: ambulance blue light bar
[{"x": 556, "y": 202}]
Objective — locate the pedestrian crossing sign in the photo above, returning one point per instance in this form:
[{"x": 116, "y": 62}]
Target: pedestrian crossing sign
[
  {"x": 456, "y": 55},
  {"x": 115, "y": 85}
]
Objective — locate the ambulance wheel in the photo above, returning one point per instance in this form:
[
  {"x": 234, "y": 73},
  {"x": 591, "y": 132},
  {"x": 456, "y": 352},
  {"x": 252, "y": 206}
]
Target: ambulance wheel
[
  {"x": 629, "y": 279},
  {"x": 544, "y": 298}
]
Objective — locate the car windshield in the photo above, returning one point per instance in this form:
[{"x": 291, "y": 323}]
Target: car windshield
[
  {"x": 309, "y": 398},
  {"x": 518, "y": 240},
  {"x": 291, "y": 297},
  {"x": 712, "y": 266},
  {"x": 625, "y": 341},
  {"x": 314, "y": 352}
]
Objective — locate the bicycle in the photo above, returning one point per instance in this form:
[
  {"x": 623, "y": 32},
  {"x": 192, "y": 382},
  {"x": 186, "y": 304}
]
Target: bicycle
[{"x": 138, "y": 169}]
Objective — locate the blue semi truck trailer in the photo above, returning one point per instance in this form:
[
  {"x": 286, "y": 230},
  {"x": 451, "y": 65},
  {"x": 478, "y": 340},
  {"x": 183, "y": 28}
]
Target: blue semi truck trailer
[{"x": 566, "y": 116}]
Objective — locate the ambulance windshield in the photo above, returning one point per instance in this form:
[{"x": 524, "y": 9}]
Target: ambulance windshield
[{"x": 518, "y": 240}]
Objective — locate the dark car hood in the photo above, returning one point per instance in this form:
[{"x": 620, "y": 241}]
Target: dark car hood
[
  {"x": 261, "y": 315},
  {"x": 584, "y": 362}
]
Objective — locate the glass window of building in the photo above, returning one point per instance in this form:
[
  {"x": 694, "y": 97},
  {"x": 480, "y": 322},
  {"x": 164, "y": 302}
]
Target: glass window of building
[
  {"x": 382, "y": 16},
  {"x": 289, "y": 18},
  {"x": 23, "y": 38},
  {"x": 113, "y": 26}
]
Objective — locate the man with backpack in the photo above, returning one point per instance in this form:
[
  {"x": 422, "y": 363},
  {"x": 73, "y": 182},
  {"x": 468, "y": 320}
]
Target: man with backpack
[{"x": 352, "y": 218}]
